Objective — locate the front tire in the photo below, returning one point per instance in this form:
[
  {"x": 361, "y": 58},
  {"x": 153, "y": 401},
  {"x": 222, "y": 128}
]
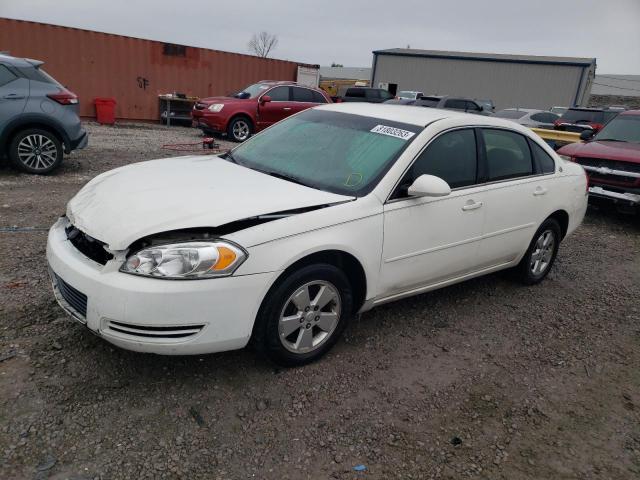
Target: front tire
[
  {"x": 304, "y": 315},
  {"x": 35, "y": 151},
  {"x": 542, "y": 252},
  {"x": 240, "y": 129}
]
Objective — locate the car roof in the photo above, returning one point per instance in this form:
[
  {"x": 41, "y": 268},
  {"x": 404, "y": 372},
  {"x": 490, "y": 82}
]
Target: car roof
[
  {"x": 19, "y": 62},
  {"x": 420, "y": 116},
  {"x": 630, "y": 112},
  {"x": 525, "y": 110}
]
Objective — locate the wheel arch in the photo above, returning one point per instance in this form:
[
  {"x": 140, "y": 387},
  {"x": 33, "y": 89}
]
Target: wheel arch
[
  {"x": 29, "y": 121},
  {"x": 562, "y": 217},
  {"x": 241, "y": 114},
  {"x": 348, "y": 263}
]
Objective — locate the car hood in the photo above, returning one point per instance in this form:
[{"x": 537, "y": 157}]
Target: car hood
[
  {"x": 619, "y": 151},
  {"x": 128, "y": 203},
  {"x": 227, "y": 100}
]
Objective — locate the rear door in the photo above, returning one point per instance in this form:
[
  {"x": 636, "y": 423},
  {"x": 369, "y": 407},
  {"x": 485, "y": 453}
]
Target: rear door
[
  {"x": 14, "y": 92},
  {"x": 303, "y": 98},
  {"x": 518, "y": 193}
]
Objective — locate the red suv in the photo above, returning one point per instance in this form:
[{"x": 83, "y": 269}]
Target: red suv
[
  {"x": 611, "y": 159},
  {"x": 254, "y": 108}
]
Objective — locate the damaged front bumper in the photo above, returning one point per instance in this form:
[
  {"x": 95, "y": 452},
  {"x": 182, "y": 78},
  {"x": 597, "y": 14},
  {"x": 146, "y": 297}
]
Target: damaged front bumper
[{"x": 170, "y": 317}]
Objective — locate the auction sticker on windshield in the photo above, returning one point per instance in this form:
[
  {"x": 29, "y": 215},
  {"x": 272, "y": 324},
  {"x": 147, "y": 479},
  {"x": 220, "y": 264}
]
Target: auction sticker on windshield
[{"x": 393, "y": 132}]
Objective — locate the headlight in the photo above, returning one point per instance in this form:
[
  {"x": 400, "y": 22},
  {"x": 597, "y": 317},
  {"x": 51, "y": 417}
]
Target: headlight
[
  {"x": 190, "y": 260},
  {"x": 216, "y": 107}
]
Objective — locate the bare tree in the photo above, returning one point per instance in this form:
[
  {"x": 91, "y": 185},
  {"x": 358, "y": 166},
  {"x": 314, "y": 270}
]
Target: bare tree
[{"x": 262, "y": 43}]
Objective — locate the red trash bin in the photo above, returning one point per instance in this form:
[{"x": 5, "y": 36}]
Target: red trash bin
[{"x": 105, "y": 110}]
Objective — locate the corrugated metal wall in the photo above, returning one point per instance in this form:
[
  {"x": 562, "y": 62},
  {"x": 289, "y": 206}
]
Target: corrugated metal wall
[
  {"x": 525, "y": 85},
  {"x": 131, "y": 70}
]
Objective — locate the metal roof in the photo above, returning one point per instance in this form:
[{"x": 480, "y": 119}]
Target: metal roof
[
  {"x": 491, "y": 57},
  {"x": 621, "y": 85},
  {"x": 346, "y": 73}
]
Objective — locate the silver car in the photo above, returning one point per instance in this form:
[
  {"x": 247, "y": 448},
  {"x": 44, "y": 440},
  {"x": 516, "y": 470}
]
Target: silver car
[
  {"x": 529, "y": 117},
  {"x": 39, "y": 119}
]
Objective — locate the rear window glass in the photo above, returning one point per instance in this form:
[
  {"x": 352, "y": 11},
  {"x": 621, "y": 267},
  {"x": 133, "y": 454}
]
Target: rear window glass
[
  {"x": 508, "y": 154},
  {"x": 511, "y": 114},
  {"x": 302, "y": 95},
  {"x": 582, "y": 116},
  {"x": 547, "y": 165},
  {"x": 39, "y": 75},
  {"x": 6, "y": 75}
]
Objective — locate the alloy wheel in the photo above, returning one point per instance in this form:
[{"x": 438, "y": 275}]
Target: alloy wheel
[
  {"x": 37, "y": 152},
  {"x": 309, "y": 317},
  {"x": 542, "y": 253},
  {"x": 241, "y": 130}
]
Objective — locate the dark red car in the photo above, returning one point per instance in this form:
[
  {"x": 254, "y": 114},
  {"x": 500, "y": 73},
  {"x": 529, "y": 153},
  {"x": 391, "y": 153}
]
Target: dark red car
[
  {"x": 612, "y": 159},
  {"x": 254, "y": 108}
]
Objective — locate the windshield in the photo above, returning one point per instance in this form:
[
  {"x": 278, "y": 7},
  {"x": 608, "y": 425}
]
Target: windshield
[
  {"x": 511, "y": 114},
  {"x": 623, "y": 128},
  {"x": 252, "y": 91},
  {"x": 332, "y": 151}
]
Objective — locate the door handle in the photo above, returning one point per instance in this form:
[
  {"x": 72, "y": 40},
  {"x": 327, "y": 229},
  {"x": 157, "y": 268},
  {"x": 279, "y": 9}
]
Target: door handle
[
  {"x": 13, "y": 96},
  {"x": 286, "y": 108},
  {"x": 540, "y": 191},
  {"x": 471, "y": 205}
]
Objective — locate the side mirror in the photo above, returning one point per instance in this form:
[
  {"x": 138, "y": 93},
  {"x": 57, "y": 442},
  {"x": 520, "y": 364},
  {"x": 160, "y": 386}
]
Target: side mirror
[
  {"x": 429, "y": 186},
  {"x": 265, "y": 99},
  {"x": 586, "y": 135}
]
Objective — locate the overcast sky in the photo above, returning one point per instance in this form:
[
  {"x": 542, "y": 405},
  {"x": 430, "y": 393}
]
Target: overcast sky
[{"x": 346, "y": 31}]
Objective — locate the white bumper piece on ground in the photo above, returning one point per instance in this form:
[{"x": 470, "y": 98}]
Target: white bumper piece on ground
[{"x": 170, "y": 317}]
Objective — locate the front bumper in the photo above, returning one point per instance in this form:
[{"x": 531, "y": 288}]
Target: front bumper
[
  {"x": 209, "y": 122},
  {"x": 170, "y": 317},
  {"x": 631, "y": 198}
]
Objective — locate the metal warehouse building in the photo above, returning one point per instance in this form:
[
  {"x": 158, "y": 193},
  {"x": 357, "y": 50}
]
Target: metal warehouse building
[
  {"x": 509, "y": 80},
  {"x": 135, "y": 71}
]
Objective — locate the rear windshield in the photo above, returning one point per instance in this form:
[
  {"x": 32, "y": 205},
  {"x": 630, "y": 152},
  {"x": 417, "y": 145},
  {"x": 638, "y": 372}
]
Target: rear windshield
[
  {"x": 428, "y": 102},
  {"x": 511, "y": 114},
  {"x": 337, "y": 152},
  {"x": 582, "y": 116}
]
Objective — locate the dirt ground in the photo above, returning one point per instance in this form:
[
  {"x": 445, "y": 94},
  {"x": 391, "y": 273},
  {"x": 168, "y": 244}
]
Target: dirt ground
[{"x": 486, "y": 379}]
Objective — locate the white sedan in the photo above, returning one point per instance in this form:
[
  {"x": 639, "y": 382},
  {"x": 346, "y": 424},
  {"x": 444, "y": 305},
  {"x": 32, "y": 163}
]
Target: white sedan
[{"x": 328, "y": 213}]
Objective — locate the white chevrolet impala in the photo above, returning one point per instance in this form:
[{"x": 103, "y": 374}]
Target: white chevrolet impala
[{"x": 326, "y": 214}]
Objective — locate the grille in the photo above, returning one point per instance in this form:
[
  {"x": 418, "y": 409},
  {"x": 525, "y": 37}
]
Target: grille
[
  {"x": 90, "y": 247},
  {"x": 75, "y": 298},
  {"x": 154, "y": 332},
  {"x": 612, "y": 164}
]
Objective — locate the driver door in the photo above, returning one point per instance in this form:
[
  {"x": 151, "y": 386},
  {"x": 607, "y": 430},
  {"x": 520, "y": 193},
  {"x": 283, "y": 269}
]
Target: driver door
[
  {"x": 278, "y": 108},
  {"x": 428, "y": 240}
]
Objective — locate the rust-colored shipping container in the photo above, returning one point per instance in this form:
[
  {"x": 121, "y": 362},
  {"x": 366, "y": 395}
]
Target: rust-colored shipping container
[{"x": 132, "y": 70}]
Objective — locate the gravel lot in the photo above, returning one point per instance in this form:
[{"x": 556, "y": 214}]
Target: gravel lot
[{"x": 486, "y": 379}]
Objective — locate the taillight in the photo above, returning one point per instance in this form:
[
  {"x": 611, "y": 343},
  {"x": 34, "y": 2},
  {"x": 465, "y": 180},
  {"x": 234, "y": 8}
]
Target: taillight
[
  {"x": 597, "y": 126},
  {"x": 64, "y": 97}
]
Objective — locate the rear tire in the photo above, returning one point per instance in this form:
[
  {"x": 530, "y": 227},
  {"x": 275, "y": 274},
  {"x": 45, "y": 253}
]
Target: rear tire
[
  {"x": 542, "y": 252},
  {"x": 303, "y": 315},
  {"x": 240, "y": 129},
  {"x": 36, "y": 151}
]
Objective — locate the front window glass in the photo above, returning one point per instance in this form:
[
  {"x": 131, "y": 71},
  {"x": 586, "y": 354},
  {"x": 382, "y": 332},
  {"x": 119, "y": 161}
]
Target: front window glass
[
  {"x": 451, "y": 156},
  {"x": 508, "y": 154},
  {"x": 279, "y": 94},
  {"x": 337, "y": 152},
  {"x": 623, "y": 128}
]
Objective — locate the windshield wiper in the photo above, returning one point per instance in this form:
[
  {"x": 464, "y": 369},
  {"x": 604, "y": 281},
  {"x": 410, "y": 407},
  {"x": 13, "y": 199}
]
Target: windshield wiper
[
  {"x": 229, "y": 156},
  {"x": 611, "y": 140},
  {"x": 287, "y": 177}
]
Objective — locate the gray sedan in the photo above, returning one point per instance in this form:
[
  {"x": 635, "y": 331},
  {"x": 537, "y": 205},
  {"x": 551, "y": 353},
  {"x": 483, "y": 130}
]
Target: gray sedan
[{"x": 529, "y": 117}]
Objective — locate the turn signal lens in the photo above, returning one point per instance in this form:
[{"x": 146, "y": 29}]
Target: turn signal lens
[{"x": 226, "y": 257}]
